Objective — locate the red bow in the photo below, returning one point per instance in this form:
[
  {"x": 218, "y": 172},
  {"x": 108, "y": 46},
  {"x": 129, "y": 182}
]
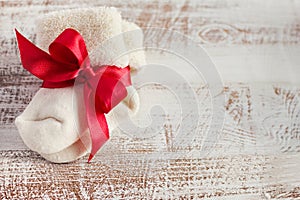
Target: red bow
[{"x": 67, "y": 60}]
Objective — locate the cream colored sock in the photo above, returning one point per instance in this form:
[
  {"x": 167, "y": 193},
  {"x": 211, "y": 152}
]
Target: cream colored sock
[{"x": 51, "y": 125}]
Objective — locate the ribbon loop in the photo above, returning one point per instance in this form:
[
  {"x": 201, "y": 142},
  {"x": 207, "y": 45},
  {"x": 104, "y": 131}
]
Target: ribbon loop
[
  {"x": 69, "y": 47},
  {"x": 67, "y": 60},
  {"x": 111, "y": 88}
]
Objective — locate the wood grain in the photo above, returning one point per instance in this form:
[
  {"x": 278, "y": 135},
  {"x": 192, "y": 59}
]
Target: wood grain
[
  {"x": 24, "y": 174},
  {"x": 257, "y": 153}
]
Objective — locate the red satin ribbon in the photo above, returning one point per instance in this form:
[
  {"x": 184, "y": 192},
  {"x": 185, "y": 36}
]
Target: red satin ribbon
[{"x": 104, "y": 86}]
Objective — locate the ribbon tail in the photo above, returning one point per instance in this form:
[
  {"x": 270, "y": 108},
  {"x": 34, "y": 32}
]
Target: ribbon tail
[
  {"x": 99, "y": 137},
  {"x": 96, "y": 122}
]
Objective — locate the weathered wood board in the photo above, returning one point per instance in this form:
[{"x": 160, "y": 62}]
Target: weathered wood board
[{"x": 255, "y": 46}]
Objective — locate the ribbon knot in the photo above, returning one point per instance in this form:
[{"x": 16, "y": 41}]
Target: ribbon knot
[
  {"x": 104, "y": 86},
  {"x": 85, "y": 75}
]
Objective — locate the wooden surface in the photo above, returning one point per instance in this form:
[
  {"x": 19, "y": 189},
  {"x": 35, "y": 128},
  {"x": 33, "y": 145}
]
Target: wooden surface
[{"x": 255, "y": 46}]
